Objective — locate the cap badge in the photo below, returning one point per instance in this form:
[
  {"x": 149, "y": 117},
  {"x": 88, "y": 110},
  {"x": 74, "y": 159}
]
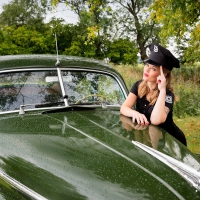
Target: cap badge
[{"x": 155, "y": 48}]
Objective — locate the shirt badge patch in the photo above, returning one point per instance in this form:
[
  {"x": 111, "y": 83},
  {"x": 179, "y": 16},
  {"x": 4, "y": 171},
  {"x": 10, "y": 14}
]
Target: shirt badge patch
[{"x": 168, "y": 99}]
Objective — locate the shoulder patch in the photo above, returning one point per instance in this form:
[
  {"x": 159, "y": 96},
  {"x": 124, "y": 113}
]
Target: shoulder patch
[{"x": 168, "y": 99}]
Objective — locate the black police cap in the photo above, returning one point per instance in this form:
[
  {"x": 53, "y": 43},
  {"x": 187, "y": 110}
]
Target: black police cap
[{"x": 161, "y": 56}]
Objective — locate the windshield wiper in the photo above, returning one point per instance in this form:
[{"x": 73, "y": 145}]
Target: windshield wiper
[
  {"x": 41, "y": 105},
  {"x": 68, "y": 108},
  {"x": 49, "y": 104}
]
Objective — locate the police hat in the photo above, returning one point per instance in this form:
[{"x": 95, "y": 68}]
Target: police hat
[{"x": 161, "y": 56}]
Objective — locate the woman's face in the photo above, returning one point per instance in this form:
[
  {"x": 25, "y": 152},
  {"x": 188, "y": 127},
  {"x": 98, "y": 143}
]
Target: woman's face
[{"x": 151, "y": 72}]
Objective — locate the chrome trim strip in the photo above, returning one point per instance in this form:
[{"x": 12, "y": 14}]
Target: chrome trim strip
[
  {"x": 188, "y": 173},
  {"x": 14, "y": 183},
  {"x": 33, "y": 109},
  {"x": 57, "y": 107},
  {"x": 27, "y": 69}
]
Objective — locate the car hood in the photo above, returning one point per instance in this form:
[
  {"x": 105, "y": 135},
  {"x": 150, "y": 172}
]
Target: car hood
[{"x": 89, "y": 155}]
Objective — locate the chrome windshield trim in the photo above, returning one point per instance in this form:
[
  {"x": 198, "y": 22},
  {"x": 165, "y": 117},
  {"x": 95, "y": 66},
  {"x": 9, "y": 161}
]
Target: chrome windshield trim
[
  {"x": 58, "y": 107},
  {"x": 31, "y": 109},
  {"x": 188, "y": 173},
  {"x": 59, "y": 69},
  {"x": 27, "y": 69},
  {"x": 14, "y": 183}
]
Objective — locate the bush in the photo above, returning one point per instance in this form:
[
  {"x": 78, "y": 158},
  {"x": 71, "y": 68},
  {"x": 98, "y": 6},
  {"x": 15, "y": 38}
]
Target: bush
[{"x": 188, "y": 103}]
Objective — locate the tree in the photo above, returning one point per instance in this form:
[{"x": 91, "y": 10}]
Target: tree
[
  {"x": 71, "y": 38},
  {"x": 23, "y": 40},
  {"x": 123, "y": 51},
  {"x": 177, "y": 17},
  {"x": 192, "y": 53},
  {"x": 180, "y": 20},
  {"x": 94, "y": 20},
  {"x": 131, "y": 19},
  {"x": 64, "y": 32},
  {"x": 104, "y": 24},
  {"x": 22, "y": 12}
]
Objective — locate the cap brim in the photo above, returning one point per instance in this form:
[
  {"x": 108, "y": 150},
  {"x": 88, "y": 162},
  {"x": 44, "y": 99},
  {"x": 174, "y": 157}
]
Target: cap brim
[{"x": 151, "y": 62}]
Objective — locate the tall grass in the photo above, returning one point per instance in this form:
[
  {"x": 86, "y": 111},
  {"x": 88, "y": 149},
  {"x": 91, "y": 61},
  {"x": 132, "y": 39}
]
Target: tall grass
[{"x": 186, "y": 83}]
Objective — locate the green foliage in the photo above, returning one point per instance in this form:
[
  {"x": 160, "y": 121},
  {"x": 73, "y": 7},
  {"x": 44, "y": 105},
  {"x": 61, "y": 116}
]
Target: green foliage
[
  {"x": 187, "y": 89},
  {"x": 123, "y": 51},
  {"x": 177, "y": 17},
  {"x": 142, "y": 21},
  {"x": 130, "y": 18},
  {"x": 188, "y": 73},
  {"x": 180, "y": 20},
  {"x": 192, "y": 52},
  {"x": 101, "y": 32},
  {"x": 74, "y": 49},
  {"x": 188, "y": 103},
  {"x": 22, "y": 40},
  {"x": 190, "y": 127},
  {"x": 22, "y": 12},
  {"x": 94, "y": 21}
]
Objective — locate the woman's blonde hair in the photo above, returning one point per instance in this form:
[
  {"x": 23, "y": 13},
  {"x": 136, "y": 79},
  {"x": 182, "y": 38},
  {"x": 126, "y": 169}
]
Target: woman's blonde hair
[{"x": 151, "y": 96}]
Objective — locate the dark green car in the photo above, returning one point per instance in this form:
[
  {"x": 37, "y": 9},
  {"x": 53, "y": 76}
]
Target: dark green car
[{"x": 62, "y": 137}]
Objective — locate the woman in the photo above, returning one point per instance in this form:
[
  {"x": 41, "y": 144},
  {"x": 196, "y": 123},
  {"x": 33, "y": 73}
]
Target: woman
[{"x": 153, "y": 95}]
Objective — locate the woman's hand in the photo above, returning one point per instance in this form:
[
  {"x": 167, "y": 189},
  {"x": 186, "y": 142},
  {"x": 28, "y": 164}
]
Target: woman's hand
[
  {"x": 139, "y": 118},
  {"x": 159, "y": 114},
  {"x": 161, "y": 80},
  {"x": 129, "y": 125},
  {"x": 126, "y": 109}
]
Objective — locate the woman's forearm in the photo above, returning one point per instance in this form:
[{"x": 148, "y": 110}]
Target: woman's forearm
[
  {"x": 127, "y": 111},
  {"x": 158, "y": 114}
]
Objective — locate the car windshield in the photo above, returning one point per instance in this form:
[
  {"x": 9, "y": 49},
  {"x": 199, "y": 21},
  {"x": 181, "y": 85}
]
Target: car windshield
[{"x": 35, "y": 88}]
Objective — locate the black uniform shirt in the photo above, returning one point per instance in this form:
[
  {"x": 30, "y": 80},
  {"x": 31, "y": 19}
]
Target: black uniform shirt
[{"x": 142, "y": 106}]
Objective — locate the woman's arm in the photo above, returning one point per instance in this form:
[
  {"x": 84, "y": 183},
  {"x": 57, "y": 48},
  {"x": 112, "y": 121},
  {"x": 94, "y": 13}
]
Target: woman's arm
[
  {"x": 126, "y": 109},
  {"x": 159, "y": 113}
]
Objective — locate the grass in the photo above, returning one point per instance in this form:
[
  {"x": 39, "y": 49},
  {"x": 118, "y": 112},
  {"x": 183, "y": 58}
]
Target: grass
[
  {"x": 191, "y": 128},
  {"x": 187, "y": 107}
]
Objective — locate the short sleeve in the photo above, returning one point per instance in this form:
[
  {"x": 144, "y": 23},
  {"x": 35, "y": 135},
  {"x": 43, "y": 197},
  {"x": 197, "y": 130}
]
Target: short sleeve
[
  {"x": 134, "y": 88},
  {"x": 169, "y": 99}
]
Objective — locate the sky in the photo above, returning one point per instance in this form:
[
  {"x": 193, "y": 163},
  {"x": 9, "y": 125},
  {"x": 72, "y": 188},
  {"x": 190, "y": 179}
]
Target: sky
[{"x": 61, "y": 12}]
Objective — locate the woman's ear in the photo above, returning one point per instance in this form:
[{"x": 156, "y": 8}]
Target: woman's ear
[
  {"x": 165, "y": 74},
  {"x": 165, "y": 71}
]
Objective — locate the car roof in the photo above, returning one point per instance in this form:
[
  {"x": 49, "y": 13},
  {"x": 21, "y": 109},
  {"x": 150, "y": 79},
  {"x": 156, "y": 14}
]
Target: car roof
[{"x": 43, "y": 61}]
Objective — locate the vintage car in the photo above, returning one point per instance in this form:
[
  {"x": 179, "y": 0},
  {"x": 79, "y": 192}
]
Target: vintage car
[{"x": 62, "y": 137}]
